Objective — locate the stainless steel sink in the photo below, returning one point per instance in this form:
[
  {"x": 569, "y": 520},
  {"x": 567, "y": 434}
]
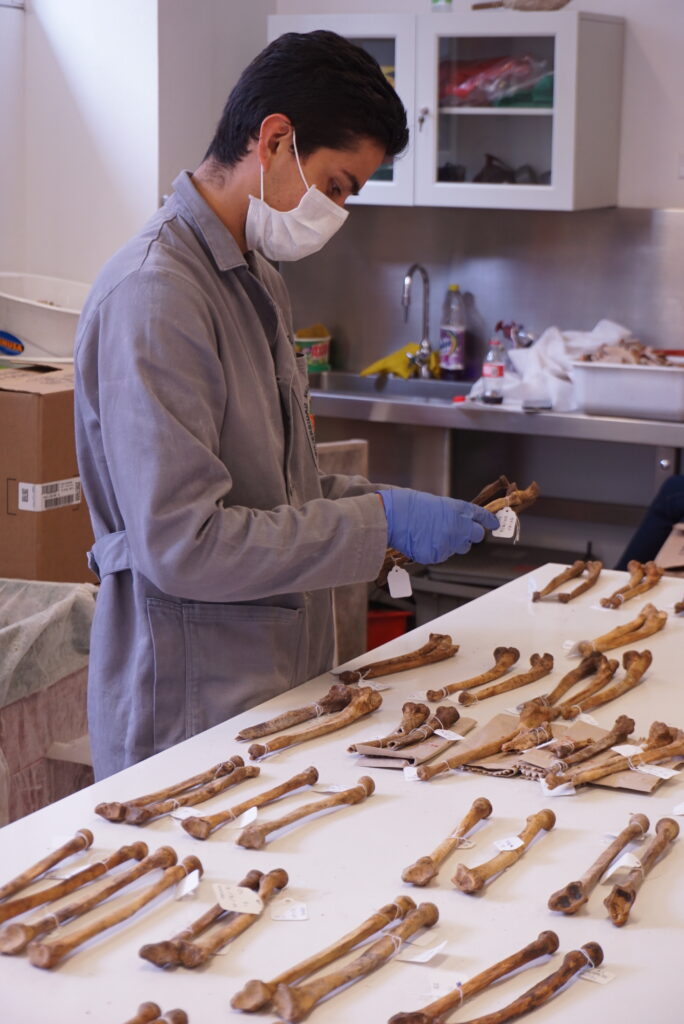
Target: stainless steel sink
[{"x": 381, "y": 386}]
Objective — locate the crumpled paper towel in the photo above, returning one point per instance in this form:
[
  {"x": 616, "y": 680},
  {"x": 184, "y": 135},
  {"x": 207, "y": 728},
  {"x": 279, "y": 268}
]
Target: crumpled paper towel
[{"x": 544, "y": 371}]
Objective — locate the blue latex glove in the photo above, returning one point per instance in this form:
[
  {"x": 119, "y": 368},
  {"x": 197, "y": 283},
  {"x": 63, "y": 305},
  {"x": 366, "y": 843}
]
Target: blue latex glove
[{"x": 429, "y": 529}]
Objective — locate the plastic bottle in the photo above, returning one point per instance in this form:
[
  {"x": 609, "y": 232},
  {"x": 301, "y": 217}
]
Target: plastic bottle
[
  {"x": 493, "y": 373},
  {"x": 452, "y": 336}
]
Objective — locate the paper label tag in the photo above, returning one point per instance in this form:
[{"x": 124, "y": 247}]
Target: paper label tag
[
  {"x": 399, "y": 582},
  {"x": 565, "y": 789},
  {"x": 410, "y": 774},
  {"x": 679, "y": 810},
  {"x": 238, "y": 898},
  {"x": 447, "y": 734},
  {"x": 511, "y": 711},
  {"x": 180, "y": 813},
  {"x": 246, "y": 818},
  {"x": 289, "y": 909},
  {"x": 587, "y": 719},
  {"x": 599, "y": 975},
  {"x": 409, "y": 956},
  {"x": 532, "y": 586},
  {"x": 187, "y": 885},
  {"x": 571, "y": 648},
  {"x": 329, "y": 787},
  {"x": 509, "y": 524},
  {"x": 659, "y": 770},
  {"x": 627, "y": 749},
  {"x": 510, "y": 843},
  {"x": 627, "y": 862},
  {"x": 376, "y": 686},
  {"x": 42, "y": 497}
]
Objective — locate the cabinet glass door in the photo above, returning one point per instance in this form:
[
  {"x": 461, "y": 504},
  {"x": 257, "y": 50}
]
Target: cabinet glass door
[{"x": 392, "y": 43}]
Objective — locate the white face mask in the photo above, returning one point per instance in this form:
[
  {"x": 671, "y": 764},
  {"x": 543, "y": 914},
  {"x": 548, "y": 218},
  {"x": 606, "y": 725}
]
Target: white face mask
[{"x": 293, "y": 234}]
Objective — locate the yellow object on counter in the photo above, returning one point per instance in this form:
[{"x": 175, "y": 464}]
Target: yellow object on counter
[
  {"x": 399, "y": 365},
  {"x": 315, "y": 331}
]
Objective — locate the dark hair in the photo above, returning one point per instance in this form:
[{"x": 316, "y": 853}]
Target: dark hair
[{"x": 332, "y": 90}]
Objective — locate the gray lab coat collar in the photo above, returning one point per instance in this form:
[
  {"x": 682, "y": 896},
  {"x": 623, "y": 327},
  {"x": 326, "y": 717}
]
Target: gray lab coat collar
[{"x": 224, "y": 249}]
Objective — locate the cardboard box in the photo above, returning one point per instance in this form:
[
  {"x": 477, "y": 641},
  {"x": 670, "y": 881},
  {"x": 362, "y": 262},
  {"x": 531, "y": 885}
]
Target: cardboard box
[
  {"x": 671, "y": 555},
  {"x": 45, "y": 528}
]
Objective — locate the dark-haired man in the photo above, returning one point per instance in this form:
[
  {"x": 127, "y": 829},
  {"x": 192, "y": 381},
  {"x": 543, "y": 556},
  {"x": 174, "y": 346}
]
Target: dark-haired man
[{"x": 217, "y": 538}]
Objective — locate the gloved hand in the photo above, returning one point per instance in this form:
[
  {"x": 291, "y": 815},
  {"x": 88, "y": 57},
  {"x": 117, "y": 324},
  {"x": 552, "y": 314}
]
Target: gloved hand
[{"x": 429, "y": 529}]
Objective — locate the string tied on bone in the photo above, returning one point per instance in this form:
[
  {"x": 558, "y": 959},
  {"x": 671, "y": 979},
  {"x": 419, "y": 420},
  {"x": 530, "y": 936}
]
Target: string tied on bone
[
  {"x": 561, "y": 766},
  {"x": 396, "y": 941},
  {"x": 422, "y": 733},
  {"x": 53, "y": 918},
  {"x": 588, "y": 959},
  {"x": 318, "y": 709},
  {"x": 175, "y": 803},
  {"x": 577, "y": 708},
  {"x": 443, "y": 693}
]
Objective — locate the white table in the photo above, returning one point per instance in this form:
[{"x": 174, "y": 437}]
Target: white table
[{"x": 345, "y": 867}]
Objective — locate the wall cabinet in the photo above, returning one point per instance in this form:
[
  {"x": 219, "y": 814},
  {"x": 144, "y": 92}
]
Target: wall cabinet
[{"x": 511, "y": 109}]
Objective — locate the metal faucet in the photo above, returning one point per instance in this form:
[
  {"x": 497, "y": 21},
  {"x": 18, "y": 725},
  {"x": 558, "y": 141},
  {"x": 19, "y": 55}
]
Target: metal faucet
[{"x": 421, "y": 359}]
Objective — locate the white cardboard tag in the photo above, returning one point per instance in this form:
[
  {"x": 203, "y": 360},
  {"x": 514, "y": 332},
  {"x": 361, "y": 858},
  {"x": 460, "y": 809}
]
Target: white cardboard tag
[
  {"x": 532, "y": 586},
  {"x": 659, "y": 770},
  {"x": 246, "y": 818},
  {"x": 289, "y": 909},
  {"x": 679, "y": 810},
  {"x": 447, "y": 734},
  {"x": 409, "y": 956},
  {"x": 180, "y": 813},
  {"x": 399, "y": 582},
  {"x": 627, "y": 749},
  {"x": 599, "y": 975},
  {"x": 587, "y": 719},
  {"x": 509, "y": 843},
  {"x": 624, "y": 863},
  {"x": 187, "y": 885},
  {"x": 329, "y": 787},
  {"x": 509, "y": 524},
  {"x": 565, "y": 789},
  {"x": 571, "y": 648},
  {"x": 238, "y": 898},
  {"x": 410, "y": 774}
]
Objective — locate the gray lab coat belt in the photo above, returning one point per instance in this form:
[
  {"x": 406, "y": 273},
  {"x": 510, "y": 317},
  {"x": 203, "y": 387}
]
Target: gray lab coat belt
[{"x": 110, "y": 553}]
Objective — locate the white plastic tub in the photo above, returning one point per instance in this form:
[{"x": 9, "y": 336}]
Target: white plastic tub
[
  {"x": 643, "y": 392},
  {"x": 42, "y": 312}
]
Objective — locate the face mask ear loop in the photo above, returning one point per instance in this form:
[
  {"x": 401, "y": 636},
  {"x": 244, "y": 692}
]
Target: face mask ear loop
[
  {"x": 261, "y": 168},
  {"x": 301, "y": 172}
]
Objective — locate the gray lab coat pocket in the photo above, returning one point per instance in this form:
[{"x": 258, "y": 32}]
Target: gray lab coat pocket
[{"x": 212, "y": 661}]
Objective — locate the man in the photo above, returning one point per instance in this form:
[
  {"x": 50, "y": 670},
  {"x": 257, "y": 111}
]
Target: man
[{"x": 216, "y": 536}]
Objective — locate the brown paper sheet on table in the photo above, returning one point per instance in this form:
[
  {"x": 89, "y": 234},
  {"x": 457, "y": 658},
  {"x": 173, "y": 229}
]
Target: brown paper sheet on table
[{"x": 417, "y": 753}]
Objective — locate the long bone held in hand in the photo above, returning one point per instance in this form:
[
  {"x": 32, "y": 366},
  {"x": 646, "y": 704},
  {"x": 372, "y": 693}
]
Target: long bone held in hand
[
  {"x": 337, "y": 697},
  {"x": 541, "y": 665},
  {"x": 19, "y": 905},
  {"x": 16, "y": 936},
  {"x": 194, "y": 953},
  {"x": 48, "y": 954},
  {"x": 443, "y": 718},
  {"x": 574, "y": 705},
  {"x": 116, "y": 810},
  {"x": 364, "y": 701},
  {"x": 254, "y": 835},
  {"x": 591, "y": 773},
  {"x": 635, "y": 664},
  {"x": 590, "y": 955},
  {"x": 412, "y": 716},
  {"x": 516, "y": 498},
  {"x": 545, "y": 944},
  {"x": 621, "y": 729},
  {"x": 425, "y": 868},
  {"x": 574, "y": 895},
  {"x": 473, "y": 879},
  {"x": 648, "y": 621},
  {"x": 439, "y": 647},
  {"x": 167, "y": 952},
  {"x": 140, "y": 815},
  {"x": 504, "y": 659},
  {"x": 257, "y": 994},
  {"x": 643, "y": 577},
  {"x": 490, "y": 491},
  {"x": 620, "y": 899},
  {"x": 81, "y": 841},
  {"x": 294, "y": 1002},
  {"x": 202, "y": 827}
]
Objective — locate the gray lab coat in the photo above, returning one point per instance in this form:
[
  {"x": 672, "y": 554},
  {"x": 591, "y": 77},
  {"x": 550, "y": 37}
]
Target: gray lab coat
[{"x": 216, "y": 535}]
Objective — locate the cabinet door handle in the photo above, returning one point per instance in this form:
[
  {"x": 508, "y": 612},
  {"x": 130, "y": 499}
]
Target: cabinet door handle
[{"x": 422, "y": 115}]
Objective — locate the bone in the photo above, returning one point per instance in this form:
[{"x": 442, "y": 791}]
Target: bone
[
  {"x": 254, "y": 836},
  {"x": 426, "y": 868},
  {"x": 141, "y": 815},
  {"x": 364, "y": 701},
  {"x": 62, "y": 888},
  {"x": 198, "y": 951},
  {"x": 116, "y": 810},
  {"x": 545, "y": 944},
  {"x": 528, "y": 738},
  {"x": 257, "y": 995},
  {"x": 648, "y": 621},
  {"x": 489, "y": 492},
  {"x": 635, "y": 664},
  {"x": 588, "y": 666},
  {"x": 636, "y": 575},
  {"x": 48, "y": 954},
  {"x": 167, "y": 953},
  {"x": 644, "y": 578},
  {"x": 541, "y": 665},
  {"x": 337, "y": 698},
  {"x": 621, "y": 898},
  {"x": 575, "y": 705},
  {"x": 594, "y": 570},
  {"x": 147, "y": 1013},
  {"x": 473, "y": 879},
  {"x": 412, "y": 716},
  {"x": 294, "y": 1002},
  {"x": 426, "y": 772},
  {"x": 590, "y": 955},
  {"x": 574, "y": 570},
  {"x": 581, "y": 776},
  {"x": 517, "y": 499},
  {"x": 574, "y": 895},
  {"x": 564, "y": 746},
  {"x": 172, "y": 1017},
  {"x": 439, "y": 647},
  {"x": 201, "y": 828},
  {"x": 622, "y": 728},
  {"x": 392, "y": 558},
  {"x": 81, "y": 841},
  {"x": 443, "y": 718},
  {"x": 504, "y": 659},
  {"x": 15, "y": 937}
]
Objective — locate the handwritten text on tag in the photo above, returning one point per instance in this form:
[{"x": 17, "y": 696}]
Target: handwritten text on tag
[
  {"x": 238, "y": 898},
  {"x": 510, "y": 843},
  {"x": 289, "y": 910}
]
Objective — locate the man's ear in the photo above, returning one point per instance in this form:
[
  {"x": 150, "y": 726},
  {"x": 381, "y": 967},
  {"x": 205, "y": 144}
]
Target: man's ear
[{"x": 275, "y": 137}]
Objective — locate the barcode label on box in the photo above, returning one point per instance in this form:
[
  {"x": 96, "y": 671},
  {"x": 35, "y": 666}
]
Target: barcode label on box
[{"x": 56, "y": 494}]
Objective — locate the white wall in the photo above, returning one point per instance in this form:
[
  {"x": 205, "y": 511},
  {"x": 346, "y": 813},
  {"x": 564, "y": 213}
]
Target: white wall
[
  {"x": 653, "y": 112},
  {"x": 91, "y": 130},
  {"x": 12, "y": 248}
]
